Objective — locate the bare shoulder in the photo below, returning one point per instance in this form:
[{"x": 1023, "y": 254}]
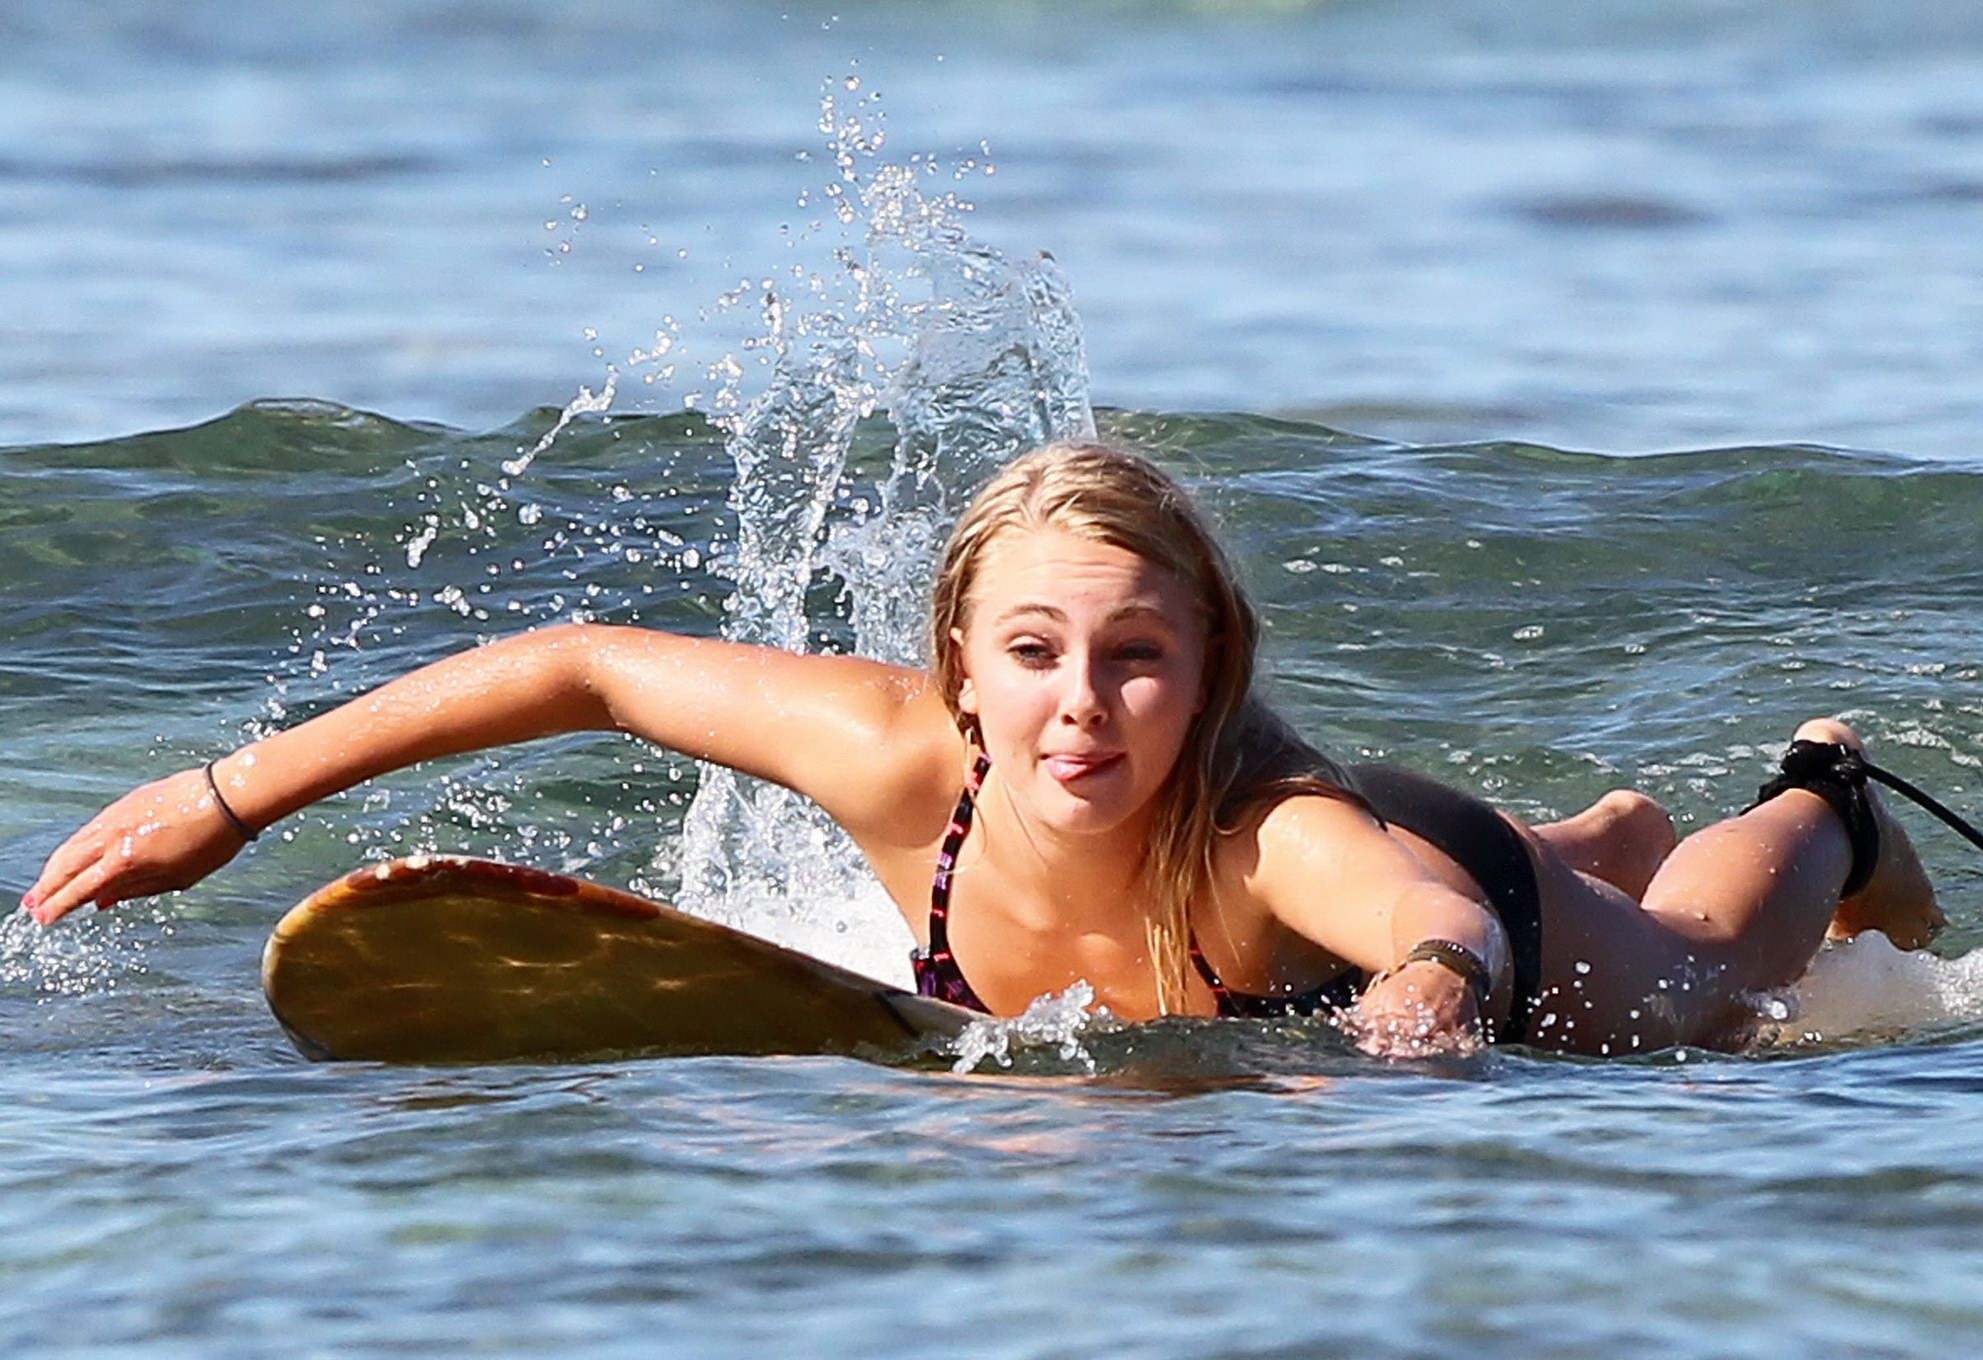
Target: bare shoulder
[
  {"x": 888, "y": 765},
  {"x": 1326, "y": 870},
  {"x": 1294, "y": 861},
  {"x": 880, "y": 748},
  {"x": 1287, "y": 851},
  {"x": 907, "y": 764},
  {"x": 1303, "y": 833}
]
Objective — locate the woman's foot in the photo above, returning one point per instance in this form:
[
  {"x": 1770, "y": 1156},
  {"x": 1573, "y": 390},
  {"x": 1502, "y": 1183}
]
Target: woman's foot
[{"x": 1898, "y": 900}]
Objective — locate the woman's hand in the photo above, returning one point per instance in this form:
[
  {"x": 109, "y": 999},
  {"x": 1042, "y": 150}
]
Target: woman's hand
[
  {"x": 159, "y": 838},
  {"x": 1420, "y": 1010}
]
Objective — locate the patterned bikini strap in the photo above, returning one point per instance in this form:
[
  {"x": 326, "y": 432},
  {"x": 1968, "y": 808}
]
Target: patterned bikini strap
[{"x": 946, "y": 859}]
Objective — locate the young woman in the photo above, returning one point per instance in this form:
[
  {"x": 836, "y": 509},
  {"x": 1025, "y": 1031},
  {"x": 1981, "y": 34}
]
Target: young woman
[{"x": 1130, "y": 813}]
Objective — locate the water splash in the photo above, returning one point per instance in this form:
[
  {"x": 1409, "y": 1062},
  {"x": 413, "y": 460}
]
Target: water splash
[
  {"x": 91, "y": 956},
  {"x": 587, "y": 402},
  {"x": 973, "y": 357},
  {"x": 1866, "y": 986},
  {"x": 1055, "y": 1021}
]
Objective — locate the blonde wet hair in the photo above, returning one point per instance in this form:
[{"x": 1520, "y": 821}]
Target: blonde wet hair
[{"x": 1237, "y": 753}]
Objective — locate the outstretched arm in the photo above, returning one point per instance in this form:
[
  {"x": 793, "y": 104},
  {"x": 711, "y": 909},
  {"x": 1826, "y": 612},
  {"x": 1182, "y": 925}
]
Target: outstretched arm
[
  {"x": 829, "y": 727},
  {"x": 1328, "y": 871}
]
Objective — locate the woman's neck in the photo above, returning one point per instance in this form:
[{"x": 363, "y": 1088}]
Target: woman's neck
[{"x": 1066, "y": 881}]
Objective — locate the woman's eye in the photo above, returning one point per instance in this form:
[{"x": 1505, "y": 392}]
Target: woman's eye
[
  {"x": 1032, "y": 654},
  {"x": 1140, "y": 652}
]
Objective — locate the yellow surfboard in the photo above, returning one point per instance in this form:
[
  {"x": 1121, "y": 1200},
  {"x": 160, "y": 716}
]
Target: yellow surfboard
[{"x": 445, "y": 960}]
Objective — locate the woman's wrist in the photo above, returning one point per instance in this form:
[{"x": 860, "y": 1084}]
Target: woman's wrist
[
  {"x": 1457, "y": 959},
  {"x": 233, "y": 818},
  {"x": 231, "y": 783}
]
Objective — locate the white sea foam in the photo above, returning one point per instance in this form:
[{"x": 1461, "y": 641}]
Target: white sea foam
[{"x": 1867, "y": 986}]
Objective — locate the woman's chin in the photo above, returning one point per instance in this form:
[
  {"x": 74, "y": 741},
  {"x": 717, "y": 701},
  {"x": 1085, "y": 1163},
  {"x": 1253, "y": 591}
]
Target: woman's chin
[{"x": 1076, "y": 811}]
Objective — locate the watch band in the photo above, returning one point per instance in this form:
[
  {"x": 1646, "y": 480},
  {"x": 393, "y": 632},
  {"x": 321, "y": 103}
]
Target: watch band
[{"x": 1460, "y": 960}]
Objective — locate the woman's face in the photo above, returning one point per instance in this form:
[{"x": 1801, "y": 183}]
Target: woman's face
[{"x": 1084, "y": 665}]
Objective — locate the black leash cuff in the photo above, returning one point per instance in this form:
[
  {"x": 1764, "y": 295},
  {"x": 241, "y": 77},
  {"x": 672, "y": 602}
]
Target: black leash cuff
[{"x": 1836, "y": 774}]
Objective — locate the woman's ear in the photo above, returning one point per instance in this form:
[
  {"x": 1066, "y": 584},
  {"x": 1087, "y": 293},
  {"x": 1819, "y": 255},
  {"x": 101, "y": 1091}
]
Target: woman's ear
[{"x": 967, "y": 690}]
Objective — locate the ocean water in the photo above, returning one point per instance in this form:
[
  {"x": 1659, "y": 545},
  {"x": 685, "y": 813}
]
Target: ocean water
[{"x": 1588, "y": 396}]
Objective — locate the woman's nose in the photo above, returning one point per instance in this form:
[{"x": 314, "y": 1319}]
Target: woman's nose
[{"x": 1082, "y": 703}]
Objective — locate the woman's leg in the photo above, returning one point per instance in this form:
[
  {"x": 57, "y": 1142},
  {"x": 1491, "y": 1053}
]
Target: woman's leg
[
  {"x": 1622, "y": 839},
  {"x": 1738, "y": 907}
]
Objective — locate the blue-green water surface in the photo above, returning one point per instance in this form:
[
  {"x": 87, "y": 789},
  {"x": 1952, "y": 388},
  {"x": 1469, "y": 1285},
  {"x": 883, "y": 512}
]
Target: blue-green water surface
[{"x": 1537, "y": 624}]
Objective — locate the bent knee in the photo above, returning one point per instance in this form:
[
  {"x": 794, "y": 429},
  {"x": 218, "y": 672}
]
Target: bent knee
[{"x": 1641, "y": 818}]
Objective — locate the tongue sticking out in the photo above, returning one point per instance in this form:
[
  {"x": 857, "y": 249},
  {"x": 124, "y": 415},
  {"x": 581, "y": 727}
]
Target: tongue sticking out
[{"x": 1066, "y": 769}]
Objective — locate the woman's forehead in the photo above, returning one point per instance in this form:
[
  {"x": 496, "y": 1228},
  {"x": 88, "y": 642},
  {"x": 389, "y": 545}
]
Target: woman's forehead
[{"x": 1055, "y": 568}]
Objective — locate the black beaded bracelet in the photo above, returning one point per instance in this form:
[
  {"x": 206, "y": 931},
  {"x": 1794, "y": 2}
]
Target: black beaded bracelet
[
  {"x": 1458, "y": 959},
  {"x": 233, "y": 818}
]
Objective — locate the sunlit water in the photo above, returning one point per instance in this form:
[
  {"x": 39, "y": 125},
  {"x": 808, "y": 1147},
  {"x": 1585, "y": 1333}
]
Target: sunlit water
[{"x": 1537, "y": 624}]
